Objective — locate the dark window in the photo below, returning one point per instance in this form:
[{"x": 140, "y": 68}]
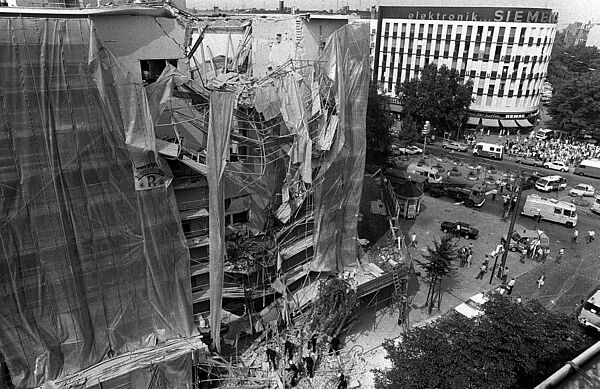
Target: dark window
[
  {"x": 395, "y": 30},
  {"x": 482, "y": 74},
  {"x": 387, "y": 29},
  {"x": 472, "y": 73},
  {"x": 511, "y": 93},
  {"x": 511, "y": 36},
  {"x": 430, "y": 32},
  {"x": 501, "y": 34},
  {"x": 421, "y": 31},
  {"x": 152, "y": 68},
  {"x": 497, "y": 53},
  {"x": 403, "y": 31},
  {"x": 494, "y": 75},
  {"x": 479, "y": 34},
  {"x": 439, "y": 33},
  {"x": 448, "y": 34},
  {"x": 412, "y": 31},
  {"x": 490, "y": 90},
  {"x": 480, "y": 91}
]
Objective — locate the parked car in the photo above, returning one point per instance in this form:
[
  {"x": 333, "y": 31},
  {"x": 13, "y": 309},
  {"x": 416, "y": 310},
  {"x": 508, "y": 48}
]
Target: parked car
[
  {"x": 551, "y": 183},
  {"x": 556, "y": 165},
  {"x": 411, "y": 150},
  {"x": 523, "y": 238},
  {"x": 582, "y": 190},
  {"x": 472, "y": 307},
  {"x": 460, "y": 229},
  {"x": 455, "y": 146},
  {"x": 530, "y": 162},
  {"x": 530, "y": 180}
]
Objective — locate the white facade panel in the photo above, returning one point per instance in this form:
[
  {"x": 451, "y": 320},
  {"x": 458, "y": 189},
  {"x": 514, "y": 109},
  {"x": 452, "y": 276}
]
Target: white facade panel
[{"x": 506, "y": 60}]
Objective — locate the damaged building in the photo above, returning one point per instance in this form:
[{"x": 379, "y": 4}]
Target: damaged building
[{"x": 167, "y": 187}]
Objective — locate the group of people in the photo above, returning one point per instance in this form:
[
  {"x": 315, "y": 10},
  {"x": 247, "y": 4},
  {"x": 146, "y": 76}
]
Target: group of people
[
  {"x": 307, "y": 362},
  {"x": 571, "y": 152}
]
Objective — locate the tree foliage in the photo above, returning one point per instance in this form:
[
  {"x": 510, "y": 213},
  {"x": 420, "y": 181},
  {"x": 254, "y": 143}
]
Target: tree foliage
[
  {"x": 438, "y": 264},
  {"x": 438, "y": 96},
  {"x": 379, "y": 123},
  {"x": 440, "y": 257},
  {"x": 574, "y": 73},
  {"x": 576, "y": 104},
  {"x": 513, "y": 346}
]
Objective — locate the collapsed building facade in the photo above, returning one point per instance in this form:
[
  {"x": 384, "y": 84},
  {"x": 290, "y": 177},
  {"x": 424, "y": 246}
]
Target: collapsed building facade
[{"x": 155, "y": 186}]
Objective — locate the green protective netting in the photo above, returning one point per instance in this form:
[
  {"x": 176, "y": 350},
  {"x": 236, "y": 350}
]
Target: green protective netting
[{"x": 93, "y": 255}]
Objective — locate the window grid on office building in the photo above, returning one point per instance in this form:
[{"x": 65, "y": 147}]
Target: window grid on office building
[{"x": 509, "y": 60}]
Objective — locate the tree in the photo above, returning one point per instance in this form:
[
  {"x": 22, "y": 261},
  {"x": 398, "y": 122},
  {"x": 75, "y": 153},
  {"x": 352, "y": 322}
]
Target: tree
[
  {"x": 513, "y": 346},
  {"x": 439, "y": 264},
  {"x": 439, "y": 96},
  {"x": 575, "y": 104},
  {"x": 379, "y": 123}
]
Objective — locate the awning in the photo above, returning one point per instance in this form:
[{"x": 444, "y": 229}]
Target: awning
[
  {"x": 508, "y": 123},
  {"x": 489, "y": 122},
  {"x": 524, "y": 123},
  {"x": 474, "y": 121}
]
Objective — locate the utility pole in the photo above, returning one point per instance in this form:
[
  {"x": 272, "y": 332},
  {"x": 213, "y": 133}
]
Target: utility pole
[{"x": 512, "y": 220}]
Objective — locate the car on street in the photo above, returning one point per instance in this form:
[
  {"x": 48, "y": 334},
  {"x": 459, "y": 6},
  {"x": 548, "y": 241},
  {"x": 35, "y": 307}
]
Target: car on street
[
  {"x": 522, "y": 239},
  {"x": 460, "y": 229},
  {"x": 530, "y": 180},
  {"x": 551, "y": 183},
  {"x": 582, "y": 190},
  {"x": 411, "y": 150},
  {"x": 455, "y": 146},
  {"x": 556, "y": 165},
  {"x": 473, "y": 306},
  {"x": 530, "y": 162}
]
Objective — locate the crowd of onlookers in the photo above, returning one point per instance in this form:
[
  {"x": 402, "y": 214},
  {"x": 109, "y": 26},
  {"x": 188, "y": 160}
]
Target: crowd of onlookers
[
  {"x": 566, "y": 149},
  {"x": 569, "y": 151}
]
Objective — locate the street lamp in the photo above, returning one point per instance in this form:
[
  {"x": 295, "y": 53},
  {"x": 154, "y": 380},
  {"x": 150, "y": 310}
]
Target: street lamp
[{"x": 425, "y": 132}]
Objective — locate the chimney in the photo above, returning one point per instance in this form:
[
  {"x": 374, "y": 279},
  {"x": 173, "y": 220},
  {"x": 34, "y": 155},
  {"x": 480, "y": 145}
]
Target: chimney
[
  {"x": 281, "y": 5},
  {"x": 373, "y": 12}
]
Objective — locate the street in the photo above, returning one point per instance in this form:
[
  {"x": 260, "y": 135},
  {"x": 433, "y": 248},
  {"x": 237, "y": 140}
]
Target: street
[{"x": 578, "y": 274}]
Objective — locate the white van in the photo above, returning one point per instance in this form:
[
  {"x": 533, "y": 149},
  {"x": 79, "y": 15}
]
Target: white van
[
  {"x": 551, "y": 183},
  {"x": 544, "y": 134},
  {"x": 590, "y": 312},
  {"x": 490, "y": 150},
  {"x": 426, "y": 171},
  {"x": 589, "y": 167},
  {"x": 554, "y": 210},
  {"x": 596, "y": 205}
]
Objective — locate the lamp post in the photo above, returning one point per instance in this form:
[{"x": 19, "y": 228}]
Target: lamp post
[{"x": 425, "y": 132}]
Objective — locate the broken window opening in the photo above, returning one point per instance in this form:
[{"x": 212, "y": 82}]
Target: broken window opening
[{"x": 152, "y": 69}]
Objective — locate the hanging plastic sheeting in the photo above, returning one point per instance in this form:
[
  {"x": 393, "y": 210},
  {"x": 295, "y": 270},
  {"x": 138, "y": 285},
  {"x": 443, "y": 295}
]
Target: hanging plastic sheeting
[
  {"x": 89, "y": 265},
  {"x": 345, "y": 61},
  {"x": 219, "y": 128}
]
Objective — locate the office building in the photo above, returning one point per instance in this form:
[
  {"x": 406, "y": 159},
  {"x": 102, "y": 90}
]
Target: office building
[{"x": 504, "y": 51}]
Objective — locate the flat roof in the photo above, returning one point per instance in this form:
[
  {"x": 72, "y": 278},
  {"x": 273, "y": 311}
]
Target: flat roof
[{"x": 135, "y": 10}]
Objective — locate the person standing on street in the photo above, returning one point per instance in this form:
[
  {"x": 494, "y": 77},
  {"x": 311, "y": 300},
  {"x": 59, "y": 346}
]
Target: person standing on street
[
  {"x": 469, "y": 260},
  {"x": 561, "y": 254},
  {"x": 510, "y": 286},
  {"x": 541, "y": 281},
  {"x": 482, "y": 271},
  {"x": 413, "y": 240},
  {"x": 575, "y": 236},
  {"x": 591, "y": 235}
]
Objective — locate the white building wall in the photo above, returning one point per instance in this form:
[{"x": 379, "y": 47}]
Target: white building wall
[{"x": 507, "y": 83}]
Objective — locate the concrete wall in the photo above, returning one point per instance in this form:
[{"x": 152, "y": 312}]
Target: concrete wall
[
  {"x": 275, "y": 42},
  {"x": 151, "y": 38},
  {"x": 316, "y": 32}
]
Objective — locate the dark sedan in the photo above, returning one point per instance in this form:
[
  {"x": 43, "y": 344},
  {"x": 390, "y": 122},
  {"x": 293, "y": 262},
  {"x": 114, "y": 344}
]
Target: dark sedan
[{"x": 460, "y": 229}]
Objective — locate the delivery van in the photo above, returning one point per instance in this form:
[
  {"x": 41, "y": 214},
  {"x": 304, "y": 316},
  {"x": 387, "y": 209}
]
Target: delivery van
[
  {"x": 554, "y": 210},
  {"x": 431, "y": 173},
  {"x": 489, "y": 150}
]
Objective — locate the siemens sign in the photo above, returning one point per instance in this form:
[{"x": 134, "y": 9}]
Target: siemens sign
[{"x": 474, "y": 14}]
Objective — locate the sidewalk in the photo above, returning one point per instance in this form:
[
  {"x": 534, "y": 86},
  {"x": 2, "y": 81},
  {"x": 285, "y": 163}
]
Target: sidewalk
[{"x": 377, "y": 324}]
